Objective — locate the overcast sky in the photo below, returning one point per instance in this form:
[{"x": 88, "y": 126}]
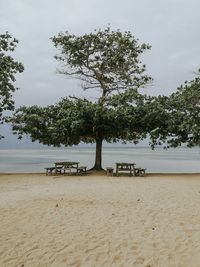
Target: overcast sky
[{"x": 170, "y": 26}]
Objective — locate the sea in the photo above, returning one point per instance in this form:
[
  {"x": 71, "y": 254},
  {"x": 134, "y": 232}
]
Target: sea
[{"x": 178, "y": 160}]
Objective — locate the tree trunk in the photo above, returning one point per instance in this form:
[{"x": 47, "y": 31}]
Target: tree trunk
[{"x": 98, "y": 156}]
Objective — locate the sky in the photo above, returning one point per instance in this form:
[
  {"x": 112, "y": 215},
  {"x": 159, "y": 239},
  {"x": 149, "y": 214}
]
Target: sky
[{"x": 171, "y": 27}]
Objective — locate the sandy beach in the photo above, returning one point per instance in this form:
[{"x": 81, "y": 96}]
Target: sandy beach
[{"x": 52, "y": 221}]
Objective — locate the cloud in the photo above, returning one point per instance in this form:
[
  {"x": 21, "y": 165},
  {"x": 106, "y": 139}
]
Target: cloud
[{"x": 170, "y": 26}]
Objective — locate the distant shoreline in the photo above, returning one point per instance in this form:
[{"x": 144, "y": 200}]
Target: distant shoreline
[
  {"x": 103, "y": 173},
  {"x": 180, "y": 160}
]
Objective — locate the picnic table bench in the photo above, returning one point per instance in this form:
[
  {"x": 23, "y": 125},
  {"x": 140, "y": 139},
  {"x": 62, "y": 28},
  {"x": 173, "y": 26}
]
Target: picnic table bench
[
  {"x": 81, "y": 170},
  {"x": 130, "y": 168},
  {"x": 124, "y": 167},
  {"x": 66, "y": 167},
  {"x": 50, "y": 170},
  {"x": 140, "y": 172},
  {"x": 109, "y": 171}
]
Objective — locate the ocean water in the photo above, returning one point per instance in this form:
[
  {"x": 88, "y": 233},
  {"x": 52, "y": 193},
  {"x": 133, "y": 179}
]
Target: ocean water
[{"x": 179, "y": 160}]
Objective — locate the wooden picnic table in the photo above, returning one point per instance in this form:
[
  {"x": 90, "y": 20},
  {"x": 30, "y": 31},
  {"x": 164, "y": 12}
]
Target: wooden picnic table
[
  {"x": 65, "y": 165},
  {"x": 124, "y": 167}
]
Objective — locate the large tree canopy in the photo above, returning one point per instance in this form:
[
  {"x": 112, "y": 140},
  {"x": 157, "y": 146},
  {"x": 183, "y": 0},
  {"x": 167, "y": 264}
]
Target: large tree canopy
[
  {"x": 8, "y": 69},
  {"x": 107, "y": 60},
  {"x": 72, "y": 121},
  {"x": 79, "y": 120}
]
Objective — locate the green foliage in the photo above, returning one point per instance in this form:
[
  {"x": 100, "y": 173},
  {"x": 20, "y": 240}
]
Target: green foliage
[
  {"x": 105, "y": 59},
  {"x": 79, "y": 120},
  {"x": 109, "y": 60},
  {"x": 178, "y": 116},
  {"x": 185, "y": 105},
  {"x": 8, "y": 69}
]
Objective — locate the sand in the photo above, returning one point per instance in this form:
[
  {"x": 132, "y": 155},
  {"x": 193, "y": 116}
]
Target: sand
[{"x": 99, "y": 221}]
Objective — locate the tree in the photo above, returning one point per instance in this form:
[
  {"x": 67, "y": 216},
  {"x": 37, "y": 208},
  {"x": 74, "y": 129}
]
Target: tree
[
  {"x": 178, "y": 115},
  {"x": 72, "y": 121},
  {"x": 106, "y": 60},
  {"x": 8, "y": 69}
]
